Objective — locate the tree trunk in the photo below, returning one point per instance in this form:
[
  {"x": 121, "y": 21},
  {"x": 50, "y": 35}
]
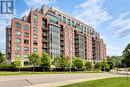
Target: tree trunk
[
  {"x": 19, "y": 69},
  {"x": 33, "y": 68}
]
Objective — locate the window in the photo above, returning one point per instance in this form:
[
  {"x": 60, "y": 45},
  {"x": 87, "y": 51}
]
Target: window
[
  {"x": 26, "y": 48},
  {"x": 18, "y": 32},
  {"x": 35, "y": 43},
  {"x": 18, "y": 25},
  {"x": 59, "y": 16},
  {"x": 18, "y": 48},
  {"x": 26, "y": 34},
  {"x": 26, "y": 41},
  {"x": 44, "y": 24},
  {"x": 18, "y": 40},
  {"x": 35, "y": 24},
  {"x": 64, "y": 19},
  {"x": 17, "y": 55},
  {"x": 35, "y": 49},
  {"x": 53, "y": 18},
  {"x": 26, "y": 27},
  {"x": 35, "y": 29},
  {"x": 26, "y": 55},
  {"x": 35, "y": 36},
  {"x": 68, "y": 21},
  {"x": 73, "y": 23},
  {"x": 35, "y": 17}
]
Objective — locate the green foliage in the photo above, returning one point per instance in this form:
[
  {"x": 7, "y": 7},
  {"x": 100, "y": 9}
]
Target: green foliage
[
  {"x": 17, "y": 62},
  {"x": 64, "y": 63},
  {"x": 7, "y": 67},
  {"x": 88, "y": 66},
  {"x": 97, "y": 66},
  {"x": 45, "y": 60},
  {"x": 56, "y": 62},
  {"x": 34, "y": 59},
  {"x": 61, "y": 62},
  {"x": 2, "y": 58},
  {"x": 107, "y": 68},
  {"x": 111, "y": 62},
  {"x": 126, "y": 54},
  {"x": 128, "y": 68},
  {"x": 114, "y": 61},
  {"x": 78, "y": 63}
]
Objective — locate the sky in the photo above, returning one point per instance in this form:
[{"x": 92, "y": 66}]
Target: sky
[{"x": 111, "y": 18}]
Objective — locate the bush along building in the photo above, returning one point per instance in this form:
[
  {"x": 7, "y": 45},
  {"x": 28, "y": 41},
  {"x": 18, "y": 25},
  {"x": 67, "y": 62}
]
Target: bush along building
[{"x": 51, "y": 31}]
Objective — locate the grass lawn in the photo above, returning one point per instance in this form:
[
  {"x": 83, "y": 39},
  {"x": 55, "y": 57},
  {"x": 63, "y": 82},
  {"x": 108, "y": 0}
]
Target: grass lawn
[
  {"x": 2, "y": 73},
  {"x": 109, "y": 82}
]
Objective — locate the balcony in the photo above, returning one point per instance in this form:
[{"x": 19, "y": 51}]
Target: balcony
[
  {"x": 45, "y": 34},
  {"x": 44, "y": 46},
  {"x": 45, "y": 28},
  {"x": 62, "y": 33},
  {"x": 76, "y": 41},
  {"x": 45, "y": 40},
  {"x": 61, "y": 48},
  {"x": 76, "y": 51},
  {"x": 76, "y": 46},
  {"x": 61, "y": 38},
  {"x": 62, "y": 44},
  {"x": 76, "y": 38}
]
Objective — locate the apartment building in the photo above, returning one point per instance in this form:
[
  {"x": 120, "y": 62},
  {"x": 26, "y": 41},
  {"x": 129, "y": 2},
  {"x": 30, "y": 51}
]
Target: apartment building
[{"x": 52, "y": 31}]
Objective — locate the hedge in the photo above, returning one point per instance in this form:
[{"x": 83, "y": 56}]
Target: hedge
[{"x": 7, "y": 67}]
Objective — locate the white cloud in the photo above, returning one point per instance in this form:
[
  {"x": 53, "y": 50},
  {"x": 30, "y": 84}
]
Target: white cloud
[
  {"x": 37, "y": 3},
  {"x": 114, "y": 50},
  {"x": 121, "y": 25},
  {"x": 25, "y": 13},
  {"x": 92, "y": 12}
]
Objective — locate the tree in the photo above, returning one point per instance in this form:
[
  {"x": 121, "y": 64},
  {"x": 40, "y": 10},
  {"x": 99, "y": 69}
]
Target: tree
[
  {"x": 2, "y": 58},
  {"x": 61, "y": 62},
  {"x": 78, "y": 63},
  {"x": 105, "y": 66},
  {"x": 45, "y": 60},
  {"x": 103, "y": 63},
  {"x": 17, "y": 63},
  {"x": 111, "y": 62},
  {"x": 97, "y": 66},
  {"x": 34, "y": 60},
  {"x": 64, "y": 63},
  {"x": 55, "y": 62},
  {"x": 126, "y": 55},
  {"x": 88, "y": 66}
]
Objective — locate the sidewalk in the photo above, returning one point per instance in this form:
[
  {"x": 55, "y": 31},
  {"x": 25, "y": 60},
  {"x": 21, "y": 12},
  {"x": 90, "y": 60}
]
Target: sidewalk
[{"x": 72, "y": 81}]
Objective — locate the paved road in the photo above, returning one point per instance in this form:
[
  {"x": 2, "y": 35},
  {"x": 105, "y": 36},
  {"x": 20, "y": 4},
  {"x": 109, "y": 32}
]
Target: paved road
[{"x": 29, "y": 80}]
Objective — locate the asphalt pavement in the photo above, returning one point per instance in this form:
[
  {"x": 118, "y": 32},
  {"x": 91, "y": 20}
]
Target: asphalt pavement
[{"x": 49, "y": 80}]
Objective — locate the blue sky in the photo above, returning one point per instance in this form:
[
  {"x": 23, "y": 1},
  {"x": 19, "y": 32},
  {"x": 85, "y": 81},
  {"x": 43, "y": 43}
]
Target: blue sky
[{"x": 111, "y": 18}]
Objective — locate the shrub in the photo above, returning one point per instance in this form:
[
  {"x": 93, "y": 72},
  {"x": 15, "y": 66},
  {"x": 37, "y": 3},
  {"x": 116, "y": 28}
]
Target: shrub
[
  {"x": 88, "y": 66},
  {"x": 107, "y": 68},
  {"x": 7, "y": 67},
  {"x": 97, "y": 66},
  {"x": 78, "y": 63},
  {"x": 128, "y": 68}
]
